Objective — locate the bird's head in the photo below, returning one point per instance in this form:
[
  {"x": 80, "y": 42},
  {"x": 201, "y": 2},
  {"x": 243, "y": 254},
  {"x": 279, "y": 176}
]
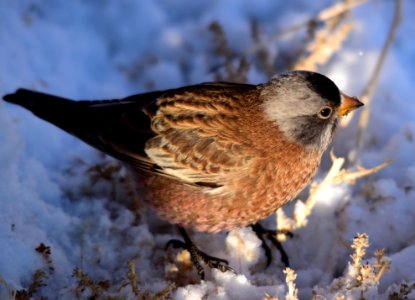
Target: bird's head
[{"x": 306, "y": 107}]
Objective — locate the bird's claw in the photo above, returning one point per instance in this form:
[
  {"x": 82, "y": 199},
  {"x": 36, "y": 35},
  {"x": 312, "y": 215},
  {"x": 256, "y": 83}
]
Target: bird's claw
[
  {"x": 211, "y": 261},
  {"x": 196, "y": 256},
  {"x": 270, "y": 235}
]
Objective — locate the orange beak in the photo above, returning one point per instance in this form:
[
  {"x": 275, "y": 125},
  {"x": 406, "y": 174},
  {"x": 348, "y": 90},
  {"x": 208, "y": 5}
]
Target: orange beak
[{"x": 348, "y": 104}]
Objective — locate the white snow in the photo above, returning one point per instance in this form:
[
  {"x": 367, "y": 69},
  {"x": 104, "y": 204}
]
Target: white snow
[{"x": 111, "y": 49}]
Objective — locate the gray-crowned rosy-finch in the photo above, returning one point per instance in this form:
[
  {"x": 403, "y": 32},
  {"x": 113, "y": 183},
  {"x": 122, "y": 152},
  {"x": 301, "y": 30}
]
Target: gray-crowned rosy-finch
[{"x": 212, "y": 156}]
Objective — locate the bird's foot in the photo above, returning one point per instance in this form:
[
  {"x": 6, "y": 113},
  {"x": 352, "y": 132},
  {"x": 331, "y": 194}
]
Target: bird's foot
[
  {"x": 271, "y": 235},
  {"x": 197, "y": 256}
]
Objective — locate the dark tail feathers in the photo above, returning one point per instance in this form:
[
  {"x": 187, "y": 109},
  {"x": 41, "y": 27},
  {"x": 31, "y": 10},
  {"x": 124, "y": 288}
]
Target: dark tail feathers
[{"x": 118, "y": 127}]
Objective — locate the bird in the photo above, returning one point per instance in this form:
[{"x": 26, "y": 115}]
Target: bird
[{"x": 213, "y": 156}]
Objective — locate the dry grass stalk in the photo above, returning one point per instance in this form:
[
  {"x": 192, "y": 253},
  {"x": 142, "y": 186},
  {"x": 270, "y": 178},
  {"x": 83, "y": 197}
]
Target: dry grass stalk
[
  {"x": 324, "y": 16},
  {"x": 339, "y": 8},
  {"x": 360, "y": 275},
  {"x": 381, "y": 266},
  {"x": 303, "y": 210},
  {"x": 324, "y": 45},
  {"x": 317, "y": 191},
  {"x": 269, "y": 297},
  {"x": 233, "y": 74},
  {"x": 360, "y": 243},
  {"x": 264, "y": 57},
  {"x": 36, "y": 283},
  {"x": 38, "y": 277},
  {"x": 324, "y": 41},
  {"x": 290, "y": 276},
  {"x": 46, "y": 252},
  {"x": 367, "y": 94},
  {"x": 336, "y": 175},
  {"x": 347, "y": 176},
  {"x": 86, "y": 282},
  {"x": 367, "y": 274},
  {"x": 284, "y": 223},
  {"x": 101, "y": 289},
  {"x": 132, "y": 276}
]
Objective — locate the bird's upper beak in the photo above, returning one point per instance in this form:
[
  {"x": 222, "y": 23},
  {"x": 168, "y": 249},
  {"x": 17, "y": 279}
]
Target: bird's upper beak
[{"x": 348, "y": 104}]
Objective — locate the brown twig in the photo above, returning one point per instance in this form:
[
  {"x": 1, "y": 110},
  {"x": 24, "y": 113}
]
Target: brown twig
[
  {"x": 132, "y": 277},
  {"x": 233, "y": 73},
  {"x": 97, "y": 288},
  {"x": 265, "y": 59}
]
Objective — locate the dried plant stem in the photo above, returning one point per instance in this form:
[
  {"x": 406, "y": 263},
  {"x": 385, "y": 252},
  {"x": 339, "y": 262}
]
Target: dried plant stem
[
  {"x": 362, "y": 274},
  {"x": 301, "y": 218},
  {"x": 324, "y": 41},
  {"x": 367, "y": 94},
  {"x": 292, "y": 293},
  {"x": 338, "y": 9},
  {"x": 233, "y": 73},
  {"x": 360, "y": 244},
  {"x": 368, "y": 274},
  {"x": 382, "y": 270},
  {"x": 132, "y": 277},
  {"x": 325, "y": 44},
  {"x": 336, "y": 175},
  {"x": 345, "y": 176},
  {"x": 325, "y": 15}
]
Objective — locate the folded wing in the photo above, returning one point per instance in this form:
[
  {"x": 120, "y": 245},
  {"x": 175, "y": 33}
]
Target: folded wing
[{"x": 189, "y": 134}]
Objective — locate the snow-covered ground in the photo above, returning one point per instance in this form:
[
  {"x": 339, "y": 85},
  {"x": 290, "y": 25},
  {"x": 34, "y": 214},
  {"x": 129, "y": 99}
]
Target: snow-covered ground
[{"x": 56, "y": 191}]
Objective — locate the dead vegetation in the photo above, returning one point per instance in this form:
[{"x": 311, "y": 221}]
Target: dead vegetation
[
  {"x": 357, "y": 280},
  {"x": 38, "y": 280},
  {"x": 336, "y": 175},
  {"x": 84, "y": 286},
  {"x": 234, "y": 72},
  {"x": 325, "y": 34},
  {"x": 87, "y": 287},
  {"x": 361, "y": 276}
]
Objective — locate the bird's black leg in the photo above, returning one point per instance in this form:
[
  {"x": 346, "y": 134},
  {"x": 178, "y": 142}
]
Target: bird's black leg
[
  {"x": 263, "y": 233},
  {"x": 196, "y": 255}
]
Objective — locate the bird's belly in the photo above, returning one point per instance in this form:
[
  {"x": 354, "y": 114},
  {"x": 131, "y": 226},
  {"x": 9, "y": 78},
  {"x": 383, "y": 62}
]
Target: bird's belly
[{"x": 242, "y": 201}]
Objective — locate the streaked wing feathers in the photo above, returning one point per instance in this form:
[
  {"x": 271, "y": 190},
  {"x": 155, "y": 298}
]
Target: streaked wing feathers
[{"x": 197, "y": 135}]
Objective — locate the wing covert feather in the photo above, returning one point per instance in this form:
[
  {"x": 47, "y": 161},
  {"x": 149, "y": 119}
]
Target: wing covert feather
[{"x": 197, "y": 134}]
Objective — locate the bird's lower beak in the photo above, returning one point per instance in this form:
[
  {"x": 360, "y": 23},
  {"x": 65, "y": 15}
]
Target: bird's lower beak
[{"x": 348, "y": 104}]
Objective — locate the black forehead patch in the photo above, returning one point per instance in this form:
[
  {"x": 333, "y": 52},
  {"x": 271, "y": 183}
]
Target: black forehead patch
[{"x": 323, "y": 86}]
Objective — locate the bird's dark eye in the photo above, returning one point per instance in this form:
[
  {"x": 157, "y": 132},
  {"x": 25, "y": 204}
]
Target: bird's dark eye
[{"x": 325, "y": 112}]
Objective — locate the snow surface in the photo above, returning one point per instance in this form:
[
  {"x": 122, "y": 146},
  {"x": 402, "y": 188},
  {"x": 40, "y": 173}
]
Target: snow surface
[{"x": 110, "y": 49}]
